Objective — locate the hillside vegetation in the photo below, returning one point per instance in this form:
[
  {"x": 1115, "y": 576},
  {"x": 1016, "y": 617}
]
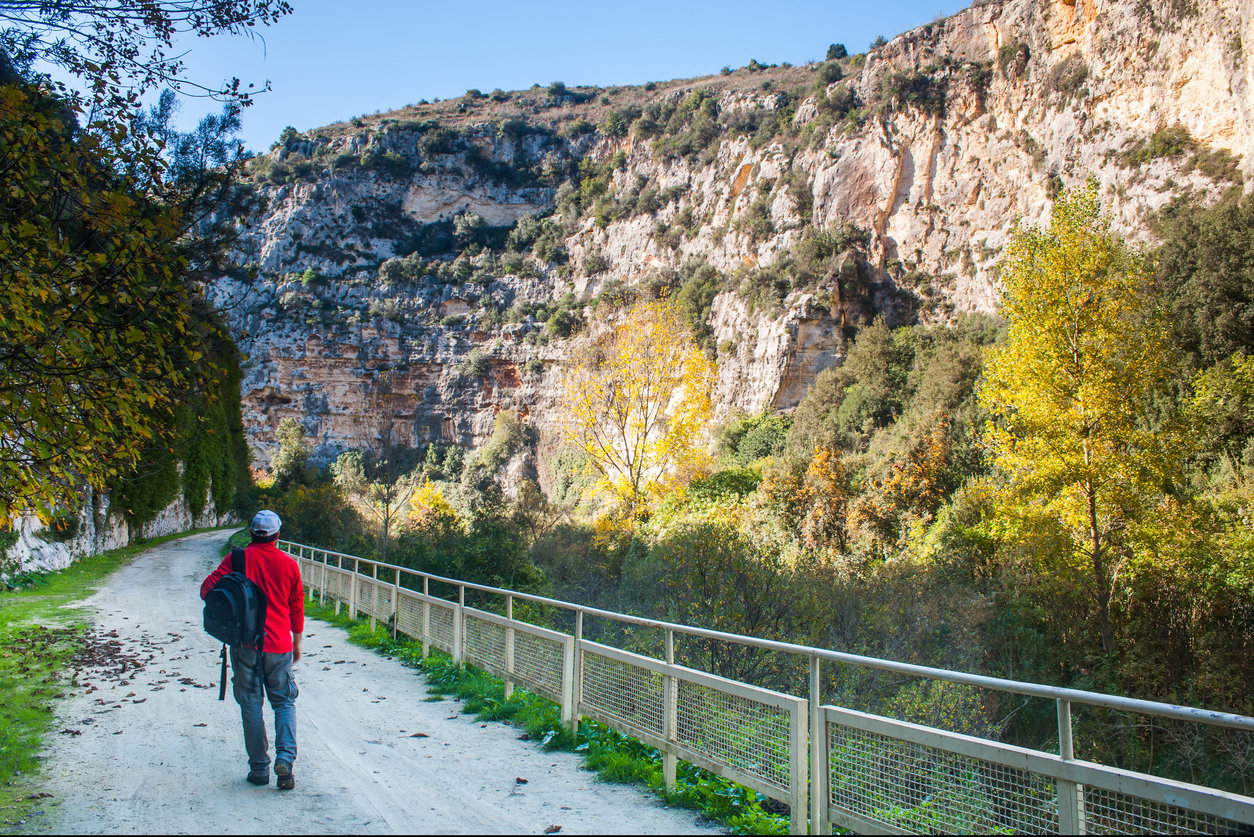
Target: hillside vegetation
[{"x": 927, "y": 501}]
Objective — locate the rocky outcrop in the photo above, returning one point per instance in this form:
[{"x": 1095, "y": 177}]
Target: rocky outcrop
[
  {"x": 946, "y": 138},
  {"x": 97, "y": 529}
]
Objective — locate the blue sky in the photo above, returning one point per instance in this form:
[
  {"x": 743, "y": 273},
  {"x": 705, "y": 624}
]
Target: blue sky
[{"x": 331, "y": 60}]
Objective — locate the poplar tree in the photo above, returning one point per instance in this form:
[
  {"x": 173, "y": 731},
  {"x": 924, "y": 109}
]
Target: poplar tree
[
  {"x": 1072, "y": 393},
  {"x": 637, "y": 402}
]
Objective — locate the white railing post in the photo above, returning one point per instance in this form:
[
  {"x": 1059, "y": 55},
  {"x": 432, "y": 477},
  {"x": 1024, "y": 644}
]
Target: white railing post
[
  {"x": 459, "y": 624},
  {"x": 509, "y": 648},
  {"x": 339, "y": 565},
  {"x": 798, "y": 778},
  {"x": 1070, "y": 802},
  {"x": 322, "y": 588},
  {"x": 426, "y": 618},
  {"x": 374, "y": 593},
  {"x": 577, "y": 673},
  {"x": 670, "y": 713},
  {"x": 818, "y": 753},
  {"x": 396, "y": 601},
  {"x": 568, "y": 680},
  {"x": 352, "y": 592}
]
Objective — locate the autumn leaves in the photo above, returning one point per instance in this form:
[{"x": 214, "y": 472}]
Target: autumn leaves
[{"x": 637, "y": 405}]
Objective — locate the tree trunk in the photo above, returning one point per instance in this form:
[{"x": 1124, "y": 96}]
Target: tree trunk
[{"x": 1101, "y": 583}]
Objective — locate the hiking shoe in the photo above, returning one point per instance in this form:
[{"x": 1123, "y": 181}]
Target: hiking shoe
[
  {"x": 259, "y": 777},
  {"x": 283, "y": 770}
]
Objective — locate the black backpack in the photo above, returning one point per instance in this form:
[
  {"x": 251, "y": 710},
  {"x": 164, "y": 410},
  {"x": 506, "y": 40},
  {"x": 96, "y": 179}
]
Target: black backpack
[{"x": 235, "y": 612}]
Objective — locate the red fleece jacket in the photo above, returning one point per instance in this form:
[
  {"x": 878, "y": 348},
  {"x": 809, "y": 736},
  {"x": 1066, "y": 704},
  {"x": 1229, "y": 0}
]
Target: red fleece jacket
[{"x": 278, "y": 576}]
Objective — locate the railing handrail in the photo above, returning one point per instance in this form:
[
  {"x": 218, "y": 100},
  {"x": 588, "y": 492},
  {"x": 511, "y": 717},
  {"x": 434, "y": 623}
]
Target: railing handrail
[{"x": 1082, "y": 696}]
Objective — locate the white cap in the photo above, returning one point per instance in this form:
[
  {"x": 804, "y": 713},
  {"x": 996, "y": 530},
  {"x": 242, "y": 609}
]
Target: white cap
[{"x": 266, "y": 523}]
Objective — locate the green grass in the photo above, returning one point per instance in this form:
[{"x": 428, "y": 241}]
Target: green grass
[
  {"x": 40, "y": 630},
  {"x": 613, "y": 756}
]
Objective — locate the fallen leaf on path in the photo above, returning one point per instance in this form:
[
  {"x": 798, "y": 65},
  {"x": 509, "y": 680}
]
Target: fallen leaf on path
[
  {"x": 419, "y": 735},
  {"x": 200, "y": 725},
  {"x": 518, "y": 780},
  {"x": 552, "y": 829},
  {"x": 71, "y": 732},
  {"x": 40, "y": 795},
  {"x": 141, "y": 700}
]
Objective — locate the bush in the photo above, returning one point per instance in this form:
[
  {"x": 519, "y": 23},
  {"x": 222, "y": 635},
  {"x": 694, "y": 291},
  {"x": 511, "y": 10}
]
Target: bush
[
  {"x": 829, "y": 72},
  {"x": 64, "y": 525},
  {"x": 618, "y": 122},
  {"x": 596, "y": 263},
  {"x": 918, "y": 90},
  {"x": 438, "y": 140},
  {"x": 509, "y": 436},
  {"x": 1013, "y": 57},
  {"x": 1068, "y": 76},
  {"x": 766, "y": 437},
  {"x": 321, "y": 515},
  {"x": 475, "y": 364},
  {"x": 388, "y": 163}
]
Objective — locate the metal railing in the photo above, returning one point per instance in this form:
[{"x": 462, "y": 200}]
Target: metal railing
[{"x": 857, "y": 770}]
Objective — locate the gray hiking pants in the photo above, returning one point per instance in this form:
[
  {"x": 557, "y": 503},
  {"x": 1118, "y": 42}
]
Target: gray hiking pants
[{"x": 274, "y": 679}]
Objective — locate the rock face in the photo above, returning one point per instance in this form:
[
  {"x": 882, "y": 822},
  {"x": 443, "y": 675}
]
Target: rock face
[
  {"x": 99, "y": 531},
  {"x": 947, "y": 137}
]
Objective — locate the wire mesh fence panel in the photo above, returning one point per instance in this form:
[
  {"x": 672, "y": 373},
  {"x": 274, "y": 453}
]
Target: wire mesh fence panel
[
  {"x": 307, "y": 574},
  {"x": 910, "y": 787},
  {"x": 619, "y": 690},
  {"x": 339, "y": 583},
  {"x": 409, "y": 615},
  {"x": 484, "y": 642},
  {"x": 1110, "y": 812},
  {"x": 538, "y": 663},
  {"x": 367, "y": 599},
  {"x": 745, "y": 734},
  {"x": 441, "y": 624}
]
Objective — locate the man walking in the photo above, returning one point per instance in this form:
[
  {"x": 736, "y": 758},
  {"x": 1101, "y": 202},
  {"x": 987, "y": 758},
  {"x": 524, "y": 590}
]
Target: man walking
[{"x": 278, "y": 576}]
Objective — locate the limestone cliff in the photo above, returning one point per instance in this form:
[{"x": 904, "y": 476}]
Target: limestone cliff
[{"x": 378, "y": 273}]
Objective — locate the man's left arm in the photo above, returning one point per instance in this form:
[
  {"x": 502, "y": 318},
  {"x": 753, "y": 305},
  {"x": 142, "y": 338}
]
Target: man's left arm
[
  {"x": 296, "y": 611},
  {"x": 214, "y": 577}
]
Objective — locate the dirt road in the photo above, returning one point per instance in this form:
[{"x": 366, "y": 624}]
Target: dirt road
[{"x": 145, "y": 747}]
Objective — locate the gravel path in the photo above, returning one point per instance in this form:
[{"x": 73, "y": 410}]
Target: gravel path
[{"x": 145, "y": 746}]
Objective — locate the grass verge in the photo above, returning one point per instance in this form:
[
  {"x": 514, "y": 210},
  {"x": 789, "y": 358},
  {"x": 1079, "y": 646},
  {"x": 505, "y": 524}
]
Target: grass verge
[
  {"x": 40, "y": 630},
  {"x": 613, "y": 756}
]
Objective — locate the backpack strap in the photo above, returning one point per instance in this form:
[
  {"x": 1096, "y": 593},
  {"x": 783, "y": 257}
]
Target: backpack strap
[
  {"x": 237, "y": 566},
  {"x": 222, "y": 676}
]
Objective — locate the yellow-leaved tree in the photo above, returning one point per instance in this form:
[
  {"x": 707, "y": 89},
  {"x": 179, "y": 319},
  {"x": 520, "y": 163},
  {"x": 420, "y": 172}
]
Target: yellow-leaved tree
[
  {"x": 1072, "y": 393},
  {"x": 637, "y": 404}
]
